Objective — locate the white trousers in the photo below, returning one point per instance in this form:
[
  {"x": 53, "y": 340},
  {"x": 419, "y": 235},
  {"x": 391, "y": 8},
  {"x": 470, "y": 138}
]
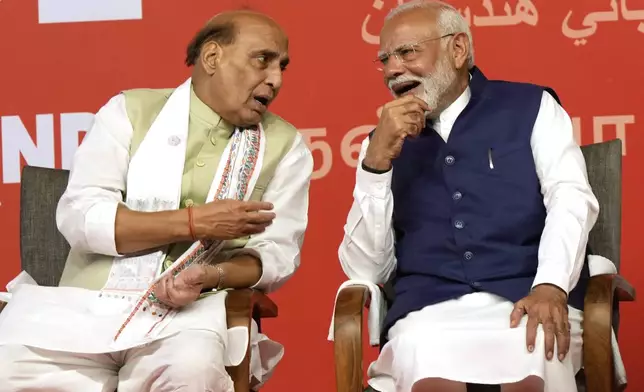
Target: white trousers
[{"x": 190, "y": 361}]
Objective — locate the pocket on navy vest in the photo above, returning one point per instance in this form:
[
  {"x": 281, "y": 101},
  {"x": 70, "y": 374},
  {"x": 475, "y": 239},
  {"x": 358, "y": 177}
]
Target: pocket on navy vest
[
  {"x": 512, "y": 159},
  {"x": 513, "y": 181}
]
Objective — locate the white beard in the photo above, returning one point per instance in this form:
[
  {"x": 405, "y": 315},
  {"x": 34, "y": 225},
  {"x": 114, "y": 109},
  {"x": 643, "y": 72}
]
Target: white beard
[{"x": 434, "y": 86}]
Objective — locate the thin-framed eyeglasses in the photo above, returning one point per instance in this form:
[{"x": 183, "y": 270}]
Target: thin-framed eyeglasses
[{"x": 405, "y": 53}]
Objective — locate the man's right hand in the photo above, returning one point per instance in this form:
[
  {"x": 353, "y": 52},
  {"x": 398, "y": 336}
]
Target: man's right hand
[
  {"x": 230, "y": 219},
  {"x": 399, "y": 119}
]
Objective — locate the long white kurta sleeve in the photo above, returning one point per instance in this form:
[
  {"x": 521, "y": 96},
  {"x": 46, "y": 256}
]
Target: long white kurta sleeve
[
  {"x": 86, "y": 212},
  {"x": 367, "y": 249},
  {"x": 571, "y": 206},
  {"x": 279, "y": 246}
]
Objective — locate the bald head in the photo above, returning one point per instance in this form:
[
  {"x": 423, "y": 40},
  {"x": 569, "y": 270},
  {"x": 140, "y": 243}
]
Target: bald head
[
  {"x": 242, "y": 16},
  {"x": 224, "y": 29},
  {"x": 238, "y": 59}
]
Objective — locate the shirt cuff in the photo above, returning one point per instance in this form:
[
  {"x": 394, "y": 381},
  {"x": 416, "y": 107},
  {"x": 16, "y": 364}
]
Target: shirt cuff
[
  {"x": 269, "y": 275},
  {"x": 100, "y": 222},
  {"x": 555, "y": 278},
  {"x": 376, "y": 185},
  {"x": 267, "y": 280}
]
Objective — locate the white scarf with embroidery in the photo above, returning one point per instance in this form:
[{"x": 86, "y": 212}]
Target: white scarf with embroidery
[{"x": 154, "y": 184}]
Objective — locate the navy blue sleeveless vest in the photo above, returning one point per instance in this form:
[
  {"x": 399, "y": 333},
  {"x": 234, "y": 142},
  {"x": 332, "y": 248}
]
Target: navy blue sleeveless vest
[{"x": 469, "y": 213}]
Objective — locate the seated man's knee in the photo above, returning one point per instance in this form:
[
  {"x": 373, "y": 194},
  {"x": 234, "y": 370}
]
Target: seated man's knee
[
  {"x": 193, "y": 374},
  {"x": 438, "y": 385},
  {"x": 6, "y": 365},
  {"x": 529, "y": 384},
  {"x": 16, "y": 362},
  {"x": 192, "y": 360}
]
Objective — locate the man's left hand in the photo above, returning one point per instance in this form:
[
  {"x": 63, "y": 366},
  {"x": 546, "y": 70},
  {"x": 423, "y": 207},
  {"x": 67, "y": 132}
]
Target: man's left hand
[
  {"x": 183, "y": 289},
  {"x": 546, "y": 305}
]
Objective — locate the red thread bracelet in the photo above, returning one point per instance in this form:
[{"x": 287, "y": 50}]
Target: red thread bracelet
[{"x": 191, "y": 224}]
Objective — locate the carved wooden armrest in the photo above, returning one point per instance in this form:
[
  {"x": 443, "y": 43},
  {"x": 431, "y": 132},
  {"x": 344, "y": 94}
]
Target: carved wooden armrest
[
  {"x": 2, "y": 305},
  {"x": 597, "y": 325},
  {"x": 241, "y": 307},
  {"x": 347, "y": 341}
]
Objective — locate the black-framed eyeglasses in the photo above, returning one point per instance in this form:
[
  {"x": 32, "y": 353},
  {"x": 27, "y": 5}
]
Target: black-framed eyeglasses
[{"x": 405, "y": 53}]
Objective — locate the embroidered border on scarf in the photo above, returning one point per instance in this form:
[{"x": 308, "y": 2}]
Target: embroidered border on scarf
[{"x": 207, "y": 248}]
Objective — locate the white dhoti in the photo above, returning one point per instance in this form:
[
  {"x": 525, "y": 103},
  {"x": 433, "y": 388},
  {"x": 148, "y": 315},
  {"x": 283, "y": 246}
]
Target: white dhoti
[
  {"x": 53, "y": 339},
  {"x": 190, "y": 360},
  {"x": 469, "y": 340}
]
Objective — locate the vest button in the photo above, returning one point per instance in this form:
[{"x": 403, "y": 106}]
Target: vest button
[
  {"x": 449, "y": 160},
  {"x": 213, "y": 140},
  {"x": 457, "y": 195},
  {"x": 476, "y": 285},
  {"x": 201, "y": 163},
  {"x": 468, "y": 255},
  {"x": 459, "y": 224},
  {"x": 189, "y": 203}
]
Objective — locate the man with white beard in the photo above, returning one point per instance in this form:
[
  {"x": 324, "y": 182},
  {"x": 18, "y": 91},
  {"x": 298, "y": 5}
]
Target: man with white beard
[{"x": 472, "y": 199}]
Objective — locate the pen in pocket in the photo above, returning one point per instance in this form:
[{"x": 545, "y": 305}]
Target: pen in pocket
[{"x": 489, "y": 157}]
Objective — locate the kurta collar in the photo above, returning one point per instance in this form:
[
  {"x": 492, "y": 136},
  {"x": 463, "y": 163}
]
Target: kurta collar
[{"x": 206, "y": 114}]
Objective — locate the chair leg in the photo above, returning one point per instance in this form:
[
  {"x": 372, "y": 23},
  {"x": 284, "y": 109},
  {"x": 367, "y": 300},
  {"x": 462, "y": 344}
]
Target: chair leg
[
  {"x": 598, "y": 357},
  {"x": 347, "y": 346},
  {"x": 240, "y": 374}
]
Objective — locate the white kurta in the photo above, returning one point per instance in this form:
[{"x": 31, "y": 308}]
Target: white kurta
[
  {"x": 66, "y": 320},
  {"x": 469, "y": 339}
]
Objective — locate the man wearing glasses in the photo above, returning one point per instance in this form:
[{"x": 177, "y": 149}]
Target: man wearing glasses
[{"x": 472, "y": 199}]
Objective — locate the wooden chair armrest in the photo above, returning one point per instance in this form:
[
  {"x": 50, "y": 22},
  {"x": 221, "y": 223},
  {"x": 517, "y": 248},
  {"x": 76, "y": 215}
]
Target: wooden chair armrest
[
  {"x": 597, "y": 328},
  {"x": 244, "y": 304},
  {"x": 2, "y": 305},
  {"x": 625, "y": 291},
  {"x": 241, "y": 307},
  {"x": 347, "y": 337}
]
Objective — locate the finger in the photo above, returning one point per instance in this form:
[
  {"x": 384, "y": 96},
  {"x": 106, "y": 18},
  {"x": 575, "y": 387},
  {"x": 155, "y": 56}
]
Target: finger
[
  {"x": 549, "y": 336},
  {"x": 171, "y": 292},
  {"x": 260, "y": 217},
  {"x": 562, "y": 331},
  {"x": 517, "y": 314},
  {"x": 410, "y": 127},
  {"x": 193, "y": 276},
  {"x": 412, "y": 130},
  {"x": 412, "y": 107},
  {"x": 162, "y": 293},
  {"x": 178, "y": 283},
  {"x": 257, "y": 205},
  {"x": 414, "y": 118},
  {"x": 159, "y": 291},
  {"x": 422, "y": 103},
  {"x": 254, "y": 228},
  {"x": 531, "y": 332},
  {"x": 182, "y": 291},
  {"x": 414, "y": 99}
]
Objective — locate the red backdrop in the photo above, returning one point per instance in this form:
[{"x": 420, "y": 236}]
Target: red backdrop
[{"x": 56, "y": 73}]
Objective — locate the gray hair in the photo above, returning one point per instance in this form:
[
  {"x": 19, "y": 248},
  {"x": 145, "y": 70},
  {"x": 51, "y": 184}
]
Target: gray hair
[{"x": 450, "y": 21}]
